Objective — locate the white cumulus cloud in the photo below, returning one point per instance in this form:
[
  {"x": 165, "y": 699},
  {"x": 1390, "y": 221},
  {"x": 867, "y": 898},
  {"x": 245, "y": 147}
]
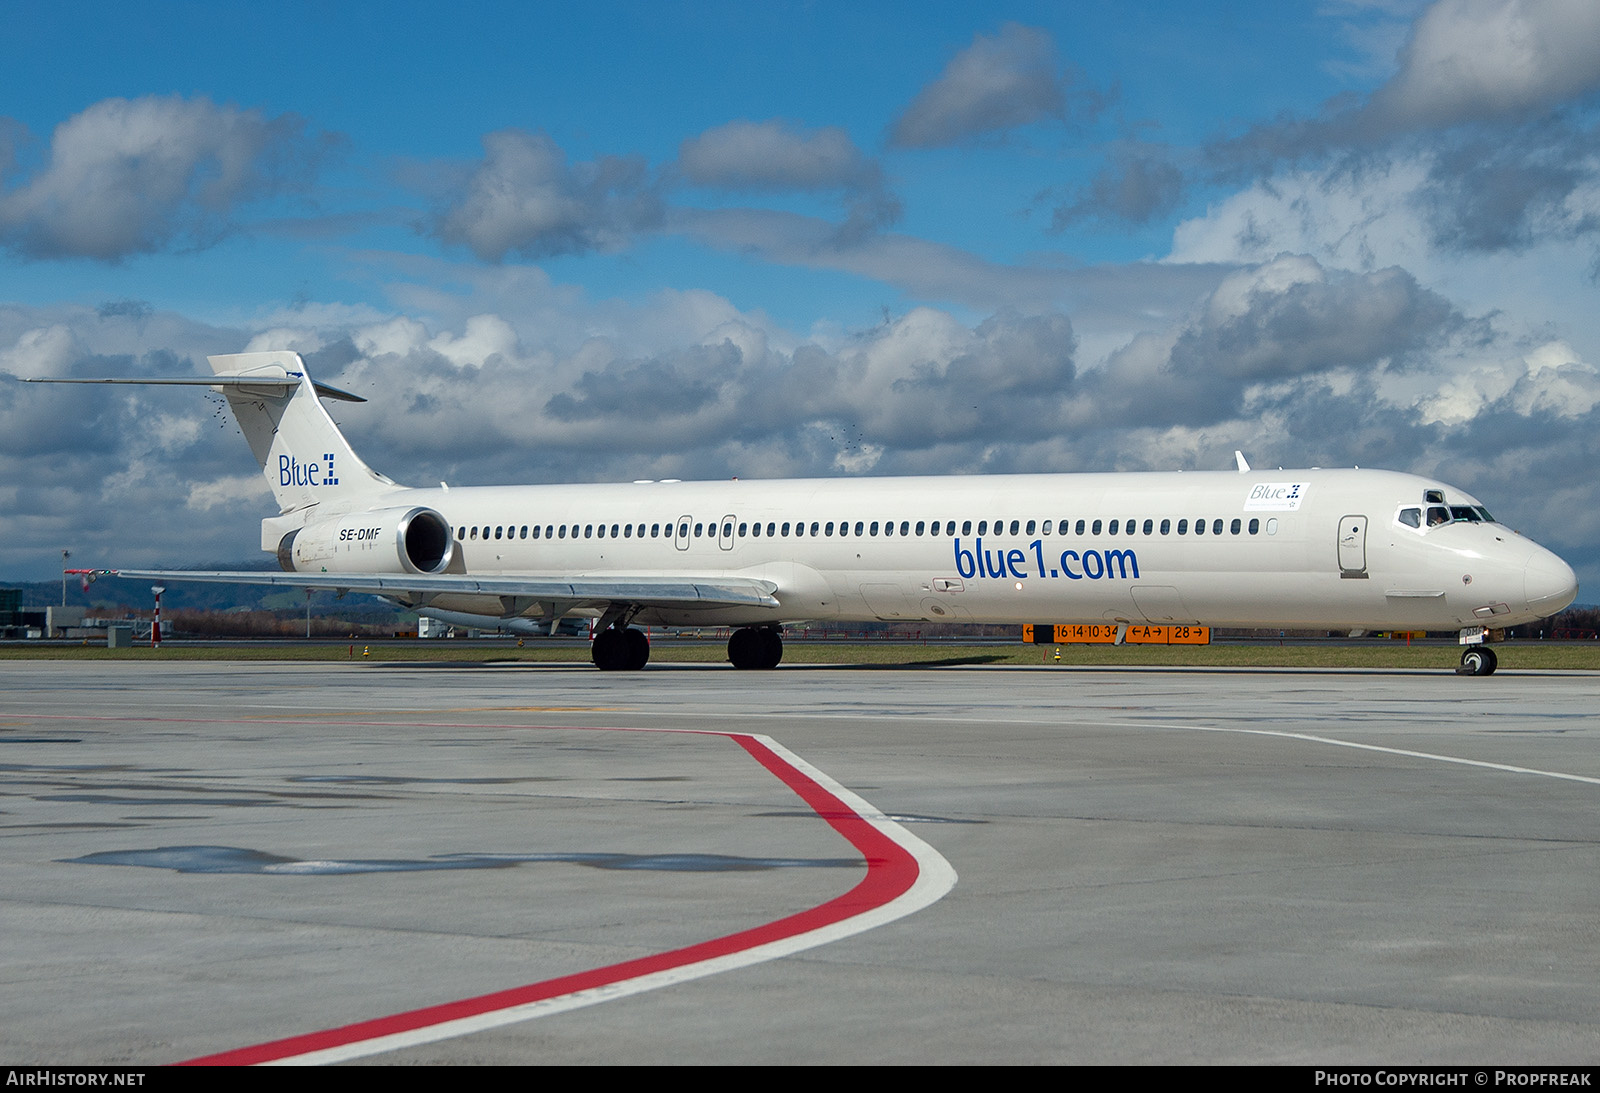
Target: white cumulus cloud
[{"x": 128, "y": 176}]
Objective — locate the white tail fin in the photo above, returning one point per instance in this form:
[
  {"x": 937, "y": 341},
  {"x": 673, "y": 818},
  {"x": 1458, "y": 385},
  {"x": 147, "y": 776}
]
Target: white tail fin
[{"x": 305, "y": 459}]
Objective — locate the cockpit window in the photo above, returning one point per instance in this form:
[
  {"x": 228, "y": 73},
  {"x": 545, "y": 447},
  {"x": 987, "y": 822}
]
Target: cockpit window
[
  {"x": 1438, "y": 515},
  {"x": 1411, "y": 518},
  {"x": 1433, "y": 497}
]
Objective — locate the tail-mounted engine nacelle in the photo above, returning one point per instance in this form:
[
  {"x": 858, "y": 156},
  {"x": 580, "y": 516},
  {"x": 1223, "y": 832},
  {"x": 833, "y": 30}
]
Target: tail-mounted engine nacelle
[{"x": 386, "y": 541}]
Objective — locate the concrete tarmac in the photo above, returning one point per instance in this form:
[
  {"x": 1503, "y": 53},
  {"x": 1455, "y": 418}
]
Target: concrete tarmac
[{"x": 1154, "y": 865}]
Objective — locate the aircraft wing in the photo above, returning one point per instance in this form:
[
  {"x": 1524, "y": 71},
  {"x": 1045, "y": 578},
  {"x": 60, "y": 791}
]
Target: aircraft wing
[{"x": 419, "y": 589}]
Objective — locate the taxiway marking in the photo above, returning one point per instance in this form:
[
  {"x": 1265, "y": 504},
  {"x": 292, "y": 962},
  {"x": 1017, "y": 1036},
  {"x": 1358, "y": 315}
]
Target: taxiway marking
[{"x": 904, "y": 875}]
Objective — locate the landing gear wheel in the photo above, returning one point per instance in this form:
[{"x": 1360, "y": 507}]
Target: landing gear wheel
[
  {"x": 636, "y": 649},
  {"x": 1478, "y": 661},
  {"x": 753, "y": 647},
  {"x": 620, "y": 650}
]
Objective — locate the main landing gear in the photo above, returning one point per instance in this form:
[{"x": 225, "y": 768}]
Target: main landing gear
[
  {"x": 755, "y": 647},
  {"x": 620, "y": 649},
  {"x": 1478, "y": 660}
]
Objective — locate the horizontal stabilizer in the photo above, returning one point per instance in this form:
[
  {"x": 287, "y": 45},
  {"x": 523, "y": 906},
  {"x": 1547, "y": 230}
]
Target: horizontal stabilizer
[{"x": 285, "y": 382}]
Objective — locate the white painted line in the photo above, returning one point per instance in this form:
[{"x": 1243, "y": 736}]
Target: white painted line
[{"x": 904, "y": 875}]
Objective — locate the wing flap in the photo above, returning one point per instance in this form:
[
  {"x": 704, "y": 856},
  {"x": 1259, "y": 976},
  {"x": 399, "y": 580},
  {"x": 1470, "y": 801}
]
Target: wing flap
[{"x": 643, "y": 591}]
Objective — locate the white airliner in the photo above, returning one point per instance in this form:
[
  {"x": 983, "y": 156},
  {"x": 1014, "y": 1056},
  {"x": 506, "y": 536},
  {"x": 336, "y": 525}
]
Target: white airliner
[{"x": 1346, "y": 549}]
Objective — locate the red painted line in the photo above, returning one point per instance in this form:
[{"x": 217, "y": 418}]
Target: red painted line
[{"x": 891, "y": 871}]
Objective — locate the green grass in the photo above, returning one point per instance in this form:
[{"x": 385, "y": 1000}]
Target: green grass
[{"x": 1543, "y": 656}]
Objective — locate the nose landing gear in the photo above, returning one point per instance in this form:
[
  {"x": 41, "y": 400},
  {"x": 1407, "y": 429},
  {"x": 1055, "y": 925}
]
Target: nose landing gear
[{"x": 1478, "y": 660}]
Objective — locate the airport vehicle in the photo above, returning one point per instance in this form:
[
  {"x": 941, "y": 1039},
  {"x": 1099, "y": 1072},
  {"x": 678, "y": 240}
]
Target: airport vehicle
[{"x": 1342, "y": 549}]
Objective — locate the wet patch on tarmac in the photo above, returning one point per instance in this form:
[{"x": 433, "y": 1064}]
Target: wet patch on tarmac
[
  {"x": 234, "y": 859},
  {"x": 398, "y": 780},
  {"x": 190, "y": 802}
]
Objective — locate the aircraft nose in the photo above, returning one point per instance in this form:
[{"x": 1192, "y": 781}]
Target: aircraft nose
[{"x": 1551, "y": 583}]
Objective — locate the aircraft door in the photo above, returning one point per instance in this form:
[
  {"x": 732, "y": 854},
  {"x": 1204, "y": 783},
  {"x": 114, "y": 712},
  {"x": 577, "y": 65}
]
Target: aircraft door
[
  {"x": 725, "y": 533},
  {"x": 1353, "y": 546},
  {"x": 680, "y": 532}
]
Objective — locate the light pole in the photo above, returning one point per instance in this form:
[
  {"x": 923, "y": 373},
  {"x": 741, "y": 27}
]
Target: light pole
[{"x": 65, "y": 554}]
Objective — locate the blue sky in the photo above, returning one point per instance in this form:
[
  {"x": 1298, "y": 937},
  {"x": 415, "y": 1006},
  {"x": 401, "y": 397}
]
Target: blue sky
[{"x": 615, "y": 241}]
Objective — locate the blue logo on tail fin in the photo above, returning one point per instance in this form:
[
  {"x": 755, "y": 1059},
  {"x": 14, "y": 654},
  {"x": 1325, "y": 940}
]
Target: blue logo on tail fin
[{"x": 292, "y": 472}]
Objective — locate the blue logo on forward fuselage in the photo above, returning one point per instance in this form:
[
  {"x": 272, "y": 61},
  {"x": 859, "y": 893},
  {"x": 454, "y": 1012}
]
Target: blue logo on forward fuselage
[{"x": 1075, "y": 565}]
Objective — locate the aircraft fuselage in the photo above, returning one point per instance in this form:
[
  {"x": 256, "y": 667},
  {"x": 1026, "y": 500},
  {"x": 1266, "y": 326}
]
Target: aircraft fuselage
[{"x": 1279, "y": 548}]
